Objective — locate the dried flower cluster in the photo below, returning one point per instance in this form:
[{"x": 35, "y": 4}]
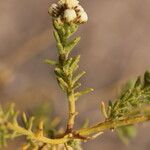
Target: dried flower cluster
[{"x": 68, "y": 11}]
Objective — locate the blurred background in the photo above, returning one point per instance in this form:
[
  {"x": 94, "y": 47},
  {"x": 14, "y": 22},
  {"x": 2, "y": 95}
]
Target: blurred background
[{"x": 115, "y": 47}]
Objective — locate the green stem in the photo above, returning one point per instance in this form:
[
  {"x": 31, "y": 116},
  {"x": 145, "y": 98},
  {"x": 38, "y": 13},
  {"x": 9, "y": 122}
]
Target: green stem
[{"x": 72, "y": 111}]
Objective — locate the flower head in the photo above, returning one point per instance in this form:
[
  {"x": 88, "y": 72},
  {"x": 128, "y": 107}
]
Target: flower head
[
  {"x": 69, "y": 3},
  {"x": 54, "y": 10},
  {"x": 68, "y": 11},
  {"x": 83, "y": 17},
  {"x": 70, "y": 15}
]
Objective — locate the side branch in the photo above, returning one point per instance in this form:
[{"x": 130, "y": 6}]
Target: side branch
[
  {"x": 22, "y": 131},
  {"x": 112, "y": 125}
]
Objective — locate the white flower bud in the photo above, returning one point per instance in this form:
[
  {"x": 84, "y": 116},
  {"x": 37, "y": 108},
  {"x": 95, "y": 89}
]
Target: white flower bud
[
  {"x": 53, "y": 9},
  {"x": 79, "y": 8},
  {"x": 69, "y": 3},
  {"x": 69, "y": 15},
  {"x": 83, "y": 17}
]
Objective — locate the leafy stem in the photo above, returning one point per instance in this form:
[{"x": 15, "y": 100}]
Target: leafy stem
[{"x": 67, "y": 67}]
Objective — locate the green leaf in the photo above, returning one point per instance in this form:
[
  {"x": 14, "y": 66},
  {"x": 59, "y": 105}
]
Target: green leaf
[
  {"x": 63, "y": 84},
  {"x": 58, "y": 72},
  {"x": 10, "y": 111},
  {"x": 76, "y": 86},
  {"x": 30, "y": 123},
  {"x": 68, "y": 48},
  {"x": 78, "y": 77},
  {"x": 86, "y": 91},
  {"x": 103, "y": 110},
  {"x": 74, "y": 64},
  {"x": 127, "y": 89},
  {"x": 66, "y": 67},
  {"x": 24, "y": 120},
  {"x": 60, "y": 48},
  {"x": 73, "y": 28},
  {"x": 57, "y": 25},
  {"x": 56, "y": 35},
  {"x": 50, "y": 62},
  {"x": 15, "y": 117}
]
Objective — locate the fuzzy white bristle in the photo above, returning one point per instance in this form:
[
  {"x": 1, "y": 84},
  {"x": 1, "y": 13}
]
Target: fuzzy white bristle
[
  {"x": 69, "y": 15},
  {"x": 83, "y": 17}
]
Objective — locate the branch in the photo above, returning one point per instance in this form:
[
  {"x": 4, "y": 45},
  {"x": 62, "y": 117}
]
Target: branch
[
  {"x": 101, "y": 127},
  {"x": 33, "y": 136},
  {"x": 82, "y": 134}
]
